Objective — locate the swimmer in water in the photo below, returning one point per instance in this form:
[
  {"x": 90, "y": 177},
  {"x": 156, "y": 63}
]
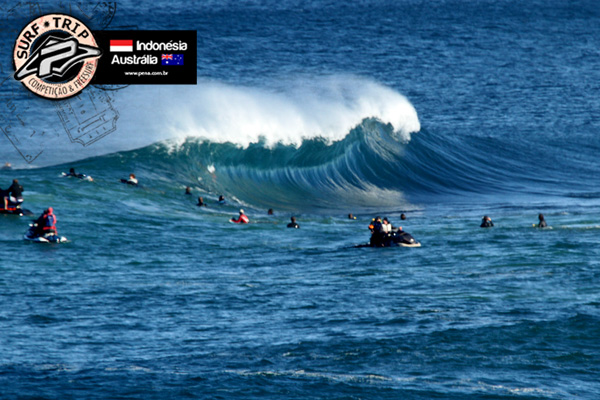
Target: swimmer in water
[
  {"x": 542, "y": 223},
  {"x": 486, "y": 222},
  {"x": 131, "y": 181},
  {"x": 293, "y": 224}
]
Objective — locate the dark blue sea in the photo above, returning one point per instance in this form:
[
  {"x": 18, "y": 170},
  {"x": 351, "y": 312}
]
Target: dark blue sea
[{"x": 445, "y": 111}]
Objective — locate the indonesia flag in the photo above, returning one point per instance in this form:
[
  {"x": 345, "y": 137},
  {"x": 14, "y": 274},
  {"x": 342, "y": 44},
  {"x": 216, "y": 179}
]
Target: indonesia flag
[{"x": 121, "y": 45}]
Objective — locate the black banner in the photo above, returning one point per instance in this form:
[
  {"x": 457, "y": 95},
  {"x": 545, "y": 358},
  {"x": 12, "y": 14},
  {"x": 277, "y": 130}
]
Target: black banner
[{"x": 146, "y": 57}]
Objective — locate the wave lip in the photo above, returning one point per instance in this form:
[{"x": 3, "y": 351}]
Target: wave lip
[
  {"x": 305, "y": 108},
  {"x": 279, "y": 112}
]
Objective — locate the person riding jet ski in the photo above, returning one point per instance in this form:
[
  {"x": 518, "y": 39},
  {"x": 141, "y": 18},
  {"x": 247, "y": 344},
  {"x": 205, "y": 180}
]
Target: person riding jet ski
[
  {"x": 13, "y": 195},
  {"x": 46, "y": 223},
  {"x": 377, "y": 232},
  {"x": 43, "y": 230},
  {"x": 383, "y": 236}
]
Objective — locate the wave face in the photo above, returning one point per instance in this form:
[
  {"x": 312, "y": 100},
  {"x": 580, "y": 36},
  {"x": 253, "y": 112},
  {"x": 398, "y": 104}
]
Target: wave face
[
  {"x": 373, "y": 167},
  {"x": 356, "y": 171}
]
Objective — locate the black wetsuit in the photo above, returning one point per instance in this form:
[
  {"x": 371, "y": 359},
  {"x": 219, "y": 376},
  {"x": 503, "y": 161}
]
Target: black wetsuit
[
  {"x": 80, "y": 176},
  {"x": 15, "y": 190},
  {"x": 293, "y": 225},
  {"x": 3, "y": 194},
  {"x": 542, "y": 224},
  {"x": 378, "y": 234},
  {"x": 40, "y": 222},
  {"x": 486, "y": 224}
]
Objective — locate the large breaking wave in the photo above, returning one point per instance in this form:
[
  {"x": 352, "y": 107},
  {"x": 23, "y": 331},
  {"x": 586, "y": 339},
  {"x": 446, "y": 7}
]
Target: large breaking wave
[
  {"x": 278, "y": 112},
  {"x": 372, "y": 167},
  {"x": 286, "y": 112},
  {"x": 339, "y": 142},
  {"x": 308, "y": 142}
]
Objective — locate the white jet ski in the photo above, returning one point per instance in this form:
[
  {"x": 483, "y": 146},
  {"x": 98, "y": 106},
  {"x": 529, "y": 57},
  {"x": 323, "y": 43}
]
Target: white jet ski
[{"x": 32, "y": 236}]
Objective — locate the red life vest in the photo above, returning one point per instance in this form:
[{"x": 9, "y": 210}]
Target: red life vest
[{"x": 49, "y": 222}]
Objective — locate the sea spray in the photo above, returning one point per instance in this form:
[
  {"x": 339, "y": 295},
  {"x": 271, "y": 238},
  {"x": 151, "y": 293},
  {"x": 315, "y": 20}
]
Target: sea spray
[
  {"x": 279, "y": 112},
  {"x": 326, "y": 108}
]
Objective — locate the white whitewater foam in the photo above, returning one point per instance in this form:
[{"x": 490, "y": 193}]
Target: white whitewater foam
[
  {"x": 326, "y": 108},
  {"x": 284, "y": 111}
]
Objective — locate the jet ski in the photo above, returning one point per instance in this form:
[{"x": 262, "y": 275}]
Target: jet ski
[
  {"x": 402, "y": 239},
  {"x": 15, "y": 209},
  {"x": 32, "y": 236},
  {"x": 393, "y": 239}
]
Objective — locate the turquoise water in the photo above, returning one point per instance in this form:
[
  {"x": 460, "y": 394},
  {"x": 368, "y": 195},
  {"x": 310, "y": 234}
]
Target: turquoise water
[{"x": 445, "y": 112}]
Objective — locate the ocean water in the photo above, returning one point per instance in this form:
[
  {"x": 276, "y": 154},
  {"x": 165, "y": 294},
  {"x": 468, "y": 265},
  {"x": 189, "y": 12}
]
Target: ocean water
[{"x": 445, "y": 111}]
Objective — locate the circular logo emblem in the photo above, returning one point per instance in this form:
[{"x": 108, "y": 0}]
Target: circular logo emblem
[{"x": 56, "y": 56}]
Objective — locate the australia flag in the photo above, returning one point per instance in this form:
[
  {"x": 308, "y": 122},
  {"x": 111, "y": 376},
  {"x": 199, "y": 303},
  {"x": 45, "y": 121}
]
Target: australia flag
[{"x": 172, "y": 59}]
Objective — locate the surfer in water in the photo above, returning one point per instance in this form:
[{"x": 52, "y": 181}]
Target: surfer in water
[
  {"x": 222, "y": 200},
  {"x": 242, "y": 219},
  {"x": 72, "y": 173},
  {"x": 131, "y": 181},
  {"x": 293, "y": 224},
  {"x": 76, "y": 175},
  {"x": 542, "y": 223},
  {"x": 188, "y": 190},
  {"x": 201, "y": 202},
  {"x": 486, "y": 222}
]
